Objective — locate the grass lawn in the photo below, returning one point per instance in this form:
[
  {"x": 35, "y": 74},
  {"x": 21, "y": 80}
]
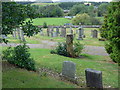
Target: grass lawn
[
  {"x": 44, "y": 4},
  {"x": 37, "y": 38},
  {"x": 20, "y": 78},
  {"x": 43, "y": 58},
  {"x": 51, "y": 21}
]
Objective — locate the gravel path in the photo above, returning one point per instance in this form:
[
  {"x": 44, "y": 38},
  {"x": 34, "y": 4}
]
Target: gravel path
[{"x": 92, "y": 50}]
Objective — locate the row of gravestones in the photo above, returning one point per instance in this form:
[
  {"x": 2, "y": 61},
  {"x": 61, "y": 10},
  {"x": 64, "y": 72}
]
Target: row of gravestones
[
  {"x": 62, "y": 33},
  {"x": 93, "y": 77}
]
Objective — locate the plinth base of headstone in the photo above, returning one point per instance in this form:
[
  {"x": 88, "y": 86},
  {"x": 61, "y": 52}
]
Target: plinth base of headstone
[{"x": 74, "y": 80}]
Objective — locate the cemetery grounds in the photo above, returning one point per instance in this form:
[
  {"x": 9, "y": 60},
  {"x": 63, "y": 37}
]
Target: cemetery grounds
[{"x": 49, "y": 66}]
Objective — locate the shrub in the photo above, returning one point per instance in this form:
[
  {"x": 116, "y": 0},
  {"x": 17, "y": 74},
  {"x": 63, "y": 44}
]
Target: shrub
[
  {"x": 20, "y": 57},
  {"x": 44, "y": 25},
  {"x": 61, "y": 49}
]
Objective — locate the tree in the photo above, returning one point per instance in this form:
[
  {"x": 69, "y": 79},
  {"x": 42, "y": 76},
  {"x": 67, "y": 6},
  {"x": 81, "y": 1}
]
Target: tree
[
  {"x": 14, "y": 15},
  {"x": 78, "y": 9},
  {"x": 111, "y": 31},
  {"x": 51, "y": 11},
  {"x": 102, "y": 9},
  {"x": 85, "y": 19}
]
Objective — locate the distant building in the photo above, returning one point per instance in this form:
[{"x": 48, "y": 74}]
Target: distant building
[
  {"x": 88, "y": 4},
  {"x": 69, "y": 17}
]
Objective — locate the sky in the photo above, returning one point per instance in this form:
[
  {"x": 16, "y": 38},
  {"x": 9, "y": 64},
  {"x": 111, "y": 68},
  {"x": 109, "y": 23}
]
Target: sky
[{"x": 84, "y": 0}]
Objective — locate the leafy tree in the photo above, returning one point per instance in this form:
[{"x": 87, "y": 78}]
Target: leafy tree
[
  {"x": 111, "y": 31},
  {"x": 85, "y": 19},
  {"x": 78, "y": 9},
  {"x": 51, "y": 11},
  {"x": 102, "y": 9},
  {"x": 14, "y": 15}
]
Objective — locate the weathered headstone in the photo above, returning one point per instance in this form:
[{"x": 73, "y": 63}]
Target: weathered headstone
[
  {"x": 69, "y": 42},
  {"x": 71, "y": 31},
  {"x": 48, "y": 32},
  {"x": 93, "y": 78},
  {"x": 18, "y": 32},
  {"x": 14, "y": 34},
  {"x": 51, "y": 31},
  {"x": 57, "y": 30},
  {"x": 80, "y": 33},
  {"x": 41, "y": 32},
  {"x": 63, "y": 32},
  {"x": 94, "y": 33},
  {"x": 69, "y": 69},
  {"x": 4, "y": 36},
  {"x": 22, "y": 35},
  {"x": 54, "y": 34}
]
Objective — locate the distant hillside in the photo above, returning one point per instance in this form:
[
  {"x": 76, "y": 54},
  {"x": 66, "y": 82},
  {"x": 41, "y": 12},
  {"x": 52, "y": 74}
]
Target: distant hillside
[{"x": 45, "y": 1}]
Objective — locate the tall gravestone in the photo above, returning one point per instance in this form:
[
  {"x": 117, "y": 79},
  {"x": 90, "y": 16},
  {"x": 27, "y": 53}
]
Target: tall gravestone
[
  {"x": 93, "y": 78},
  {"x": 69, "y": 42},
  {"x": 80, "y": 33},
  {"x": 22, "y": 35},
  {"x": 18, "y": 32},
  {"x": 69, "y": 69},
  {"x": 71, "y": 31},
  {"x": 48, "y": 32},
  {"x": 41, "y": 32},
  {"x": 51, "y": 31},
  {"x": 57, "y": 31},
  {"x": 94, "y": 33},
  {"x": 14, "y": 34},
  {"x": 63, "y": 32}
]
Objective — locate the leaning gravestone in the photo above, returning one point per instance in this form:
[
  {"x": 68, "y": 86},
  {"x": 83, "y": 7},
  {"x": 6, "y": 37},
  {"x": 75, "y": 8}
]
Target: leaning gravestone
[
  {"x": 94, "y": 33},
  {"x": 69, "y": 69},
  {"x": 93, "y": 78},
  {"x": 22, "y": 35}
]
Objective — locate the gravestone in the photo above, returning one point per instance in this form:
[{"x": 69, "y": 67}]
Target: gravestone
[
  {"x": 22, "y": 35},
  {"x": 94, "y": 33},
  {"x": 41, "y": 32},
  {"x": 69, "y": 42},
  {"x": 93, "y": 78},
  {"x": 48, "y": 32},
  {"x": 57, "y": 30},
  {"x": 51, "y": 31},
  {"x": 18, "y": 32},
  {"x": 54, "y": 34},
  {"x": 14, "y": 34},
  {"x": 71, "y": 31},
  {"x": 80, "y": 33},
  {"x": 69, "y": 69},
  {"x": 77, "y": 31},
  {"x": 63, "y": 32}
]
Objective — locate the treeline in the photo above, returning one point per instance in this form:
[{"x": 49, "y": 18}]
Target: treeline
[{"x": 49, "y": 11}]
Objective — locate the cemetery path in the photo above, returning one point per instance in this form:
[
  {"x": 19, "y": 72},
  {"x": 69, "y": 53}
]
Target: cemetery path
[{"x": 92, "y": 50}]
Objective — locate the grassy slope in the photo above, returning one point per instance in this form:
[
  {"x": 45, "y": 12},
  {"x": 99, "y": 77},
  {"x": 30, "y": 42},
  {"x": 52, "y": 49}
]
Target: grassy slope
[
  {"x": 43, "y": 58},
  {"x": 51, "y": 21},
  {"x": 24, "y": 79}
]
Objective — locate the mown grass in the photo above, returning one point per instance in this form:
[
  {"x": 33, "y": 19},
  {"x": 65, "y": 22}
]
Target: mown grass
[
  {"x": 51, "y": 21},
  {"x": 88, "y": 40},
  {"x": 54, "y": 62},
  {"x": 20, "y": 78},
  {"x": 43, "y": 58},
  {"x": 44, "y": 4}
]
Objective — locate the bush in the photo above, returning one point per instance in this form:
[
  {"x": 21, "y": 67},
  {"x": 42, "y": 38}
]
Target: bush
[
  {"x": 44, "y": 25},
  {"x": 61, "y": 49},
  {"x": 19, "y": 56}
]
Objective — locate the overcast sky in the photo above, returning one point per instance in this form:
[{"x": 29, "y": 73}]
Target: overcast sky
[{"x": 84, "y": 0}]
